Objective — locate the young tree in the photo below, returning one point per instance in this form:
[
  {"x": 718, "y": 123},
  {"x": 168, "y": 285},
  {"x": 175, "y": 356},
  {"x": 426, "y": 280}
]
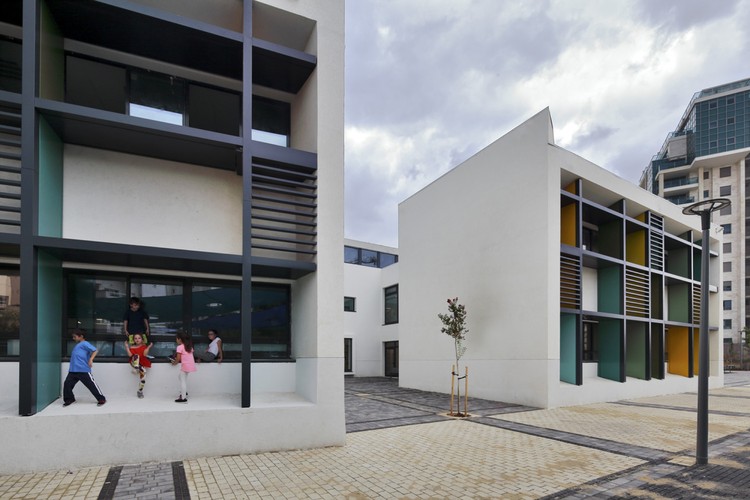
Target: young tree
[{"x": 454, "y": 324}]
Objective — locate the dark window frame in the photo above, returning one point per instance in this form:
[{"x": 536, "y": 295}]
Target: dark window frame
[
  {"x": 350, "y": 304},
  {"x": 390, "y": 317}
]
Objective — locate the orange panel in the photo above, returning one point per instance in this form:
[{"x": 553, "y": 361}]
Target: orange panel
[
  {"x": 568, "y": 225},
  {"x": 678, "y": 350},
  {"x": 572, "y": 187}
]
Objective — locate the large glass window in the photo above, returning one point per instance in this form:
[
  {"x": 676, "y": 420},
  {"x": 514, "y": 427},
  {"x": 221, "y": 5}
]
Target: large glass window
[
  {"x": 98, "y": 304},
  {"x": 10, "y": 66},
  {"x": 157, "y": 97},
  {"x": 351, "y": 255},
  {"x": 163, "y": 302},
  {"x": 10, "y": 312},
  {"x": 271, "y": 321},
  {"x": 217, "y": 308},
  {"x": 271, "y": 121},
  {"x": 391, "y": 305},
  {"x": 369, "y": 258}
]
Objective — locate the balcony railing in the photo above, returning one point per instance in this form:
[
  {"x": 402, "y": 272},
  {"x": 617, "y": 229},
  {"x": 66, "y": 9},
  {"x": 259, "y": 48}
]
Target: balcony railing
[
  {"x": 682, "y": 181},
  {"x": 680, "y": 200}
]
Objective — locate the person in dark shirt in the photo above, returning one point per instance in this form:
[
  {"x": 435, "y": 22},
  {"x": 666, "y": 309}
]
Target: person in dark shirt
[{"x": 136, "y": 321}]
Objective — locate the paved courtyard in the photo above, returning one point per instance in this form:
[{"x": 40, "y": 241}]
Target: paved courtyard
[{"x": 400, "y": 444}]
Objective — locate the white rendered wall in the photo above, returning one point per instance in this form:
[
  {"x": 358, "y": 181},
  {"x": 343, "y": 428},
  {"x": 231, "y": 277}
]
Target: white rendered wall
[
  {"x": 365, "y": 326},
  {"x": 9, "y": 388},
  {"x": 482, "y": 233},
  {"x": 122, "y": 198},
  {"x": 114, "y": 432}
]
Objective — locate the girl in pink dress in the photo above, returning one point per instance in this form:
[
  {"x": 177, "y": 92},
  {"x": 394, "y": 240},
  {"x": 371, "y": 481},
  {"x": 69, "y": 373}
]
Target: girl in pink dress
[{"x": 186, "y": 360}]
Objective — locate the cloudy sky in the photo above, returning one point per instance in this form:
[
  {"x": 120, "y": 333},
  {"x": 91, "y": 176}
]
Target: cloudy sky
[{"x": 431, "y": 82}]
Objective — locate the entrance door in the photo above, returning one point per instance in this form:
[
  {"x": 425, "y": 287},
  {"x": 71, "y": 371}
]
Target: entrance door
[{"x": 391, "y": 359}]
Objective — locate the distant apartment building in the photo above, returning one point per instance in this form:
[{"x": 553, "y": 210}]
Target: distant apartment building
[{"x": 706, "y": 156}]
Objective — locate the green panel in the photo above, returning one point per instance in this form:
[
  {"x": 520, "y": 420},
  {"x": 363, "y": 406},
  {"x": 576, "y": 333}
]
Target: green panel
[
  {"x": 697, "y": 265},
  {"x": 635, "y": 351},
  {"x": 610, "y": 239},
  {"x": 50, "y": 181},
  {"x": 679, "y": 302},
  {"x": 609, "y": 289},
  {"x": 610, "y": 349},
  {"x": 568, "y": 349},
  {"x": 678, "y": 262},
  {"x": 49, "y": 322}
]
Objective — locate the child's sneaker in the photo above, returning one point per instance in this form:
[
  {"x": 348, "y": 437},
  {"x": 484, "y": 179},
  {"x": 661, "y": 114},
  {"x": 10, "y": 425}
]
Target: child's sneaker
[
  {"x": 101, "y": 403},
  {"x": 140, "y": 394},
  {"x": 68, "y": 403},
  {"x": 180, "y": 400}
]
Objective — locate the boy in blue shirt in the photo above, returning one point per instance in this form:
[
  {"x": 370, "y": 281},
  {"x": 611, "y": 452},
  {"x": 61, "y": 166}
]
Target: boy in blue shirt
[{"x": 81, "y": 360}]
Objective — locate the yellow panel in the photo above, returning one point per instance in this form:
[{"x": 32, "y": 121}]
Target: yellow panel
[
  {"x": 635, "y": 250},
  {"x": 678, "y": 351},
  {"x": 572, "y": 187},
  {"x": 642, "y": 217},
  {"x": 568, "y": 225}
]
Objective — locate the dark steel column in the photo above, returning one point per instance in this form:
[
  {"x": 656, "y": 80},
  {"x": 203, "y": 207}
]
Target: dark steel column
[
  {"x": 247, "y": 186},
  {"x": 27, "y": 363}
]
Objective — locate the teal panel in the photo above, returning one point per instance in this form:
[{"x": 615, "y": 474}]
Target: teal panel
[
  {"x": 678, "y": 262},
  {"x": 635, "y": 351},
  {"x": 610, "y": 239},
  {"x": 568, "y": 335},
  {"x": 49, "y": 323},
  {"x": 610, "y": 349},
  {"x": 609, "y": 289},
  {"x": 697, "y": 264},
  {"x": 679, "y": 302},
  {"x": 50, "y": 181}
]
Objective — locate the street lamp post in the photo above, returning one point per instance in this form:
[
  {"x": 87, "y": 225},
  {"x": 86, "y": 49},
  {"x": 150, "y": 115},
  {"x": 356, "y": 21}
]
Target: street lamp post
[{"x": 704, "y": 209}]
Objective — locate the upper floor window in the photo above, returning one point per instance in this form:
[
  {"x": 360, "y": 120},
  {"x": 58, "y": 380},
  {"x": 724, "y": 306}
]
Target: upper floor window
[
  {"x": 157, "y": 97},
  {"x": 727, "y": 248},
  {"x": 726, "y": 210},
  {"x": 391, "y": 305},
  {"x": 10, "y": 66},
  {"x": 725, "y": 172},
  {"x": 727, "y": 228},
  {"x": 727, "y": 286},
  {"x": 725, "y": 191},
  {"x": 727, "y": 305},
  {"x": 369, "y": 258},
  {"x": 350, "y": 304}
]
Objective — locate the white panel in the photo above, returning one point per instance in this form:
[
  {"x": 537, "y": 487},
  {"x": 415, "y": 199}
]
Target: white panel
[{"x": 121, "y": 198}]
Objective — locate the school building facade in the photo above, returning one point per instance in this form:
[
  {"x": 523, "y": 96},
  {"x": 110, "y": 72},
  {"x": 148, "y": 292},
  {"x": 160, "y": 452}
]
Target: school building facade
[
  {"x": 191, "y": 154},
  {"x": 580, "y": 287}
]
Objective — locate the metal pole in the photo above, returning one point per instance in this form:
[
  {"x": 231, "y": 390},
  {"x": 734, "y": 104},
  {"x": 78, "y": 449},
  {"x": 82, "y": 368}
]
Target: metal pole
[
  {"x": 701, "y": 448},
  {"x": 704, "y": 209}
]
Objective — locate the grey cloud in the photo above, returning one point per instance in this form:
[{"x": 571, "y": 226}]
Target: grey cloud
[{"x": 684, "y": 14}]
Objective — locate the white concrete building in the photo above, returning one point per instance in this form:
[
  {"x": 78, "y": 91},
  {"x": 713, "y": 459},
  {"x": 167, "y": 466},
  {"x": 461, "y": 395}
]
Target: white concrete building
[
  {"x": 170, "y": 150},
  {"x": 580, "y": 286},
  {"x": 370, "y": 331}
]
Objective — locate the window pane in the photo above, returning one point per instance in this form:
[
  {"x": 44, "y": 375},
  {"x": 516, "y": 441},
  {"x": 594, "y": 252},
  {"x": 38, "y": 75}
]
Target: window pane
[
  {"x": 97, "y": 304},
  {"x": 272, "y": 116},
  {"x": 351, "y": 255},
  {"x": 391, "y": 305},
  {"x": 271, "y": 321},
  {"x": 386, "y": 259},
  {"x": 163, "y": 302},
  {"x": 10, "y": 66},
  {"x": 157, "y": 97},
  {"x": 725, "y": 191},
  {"x": 10, "y": 311},
  {"x": 349, "y": 304},
  {"x": 217, "y": 308},
  {"x": 369, "y": 258},
  {"x": 95, "y": 84},
  {"x": 214, "y": 109}
]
